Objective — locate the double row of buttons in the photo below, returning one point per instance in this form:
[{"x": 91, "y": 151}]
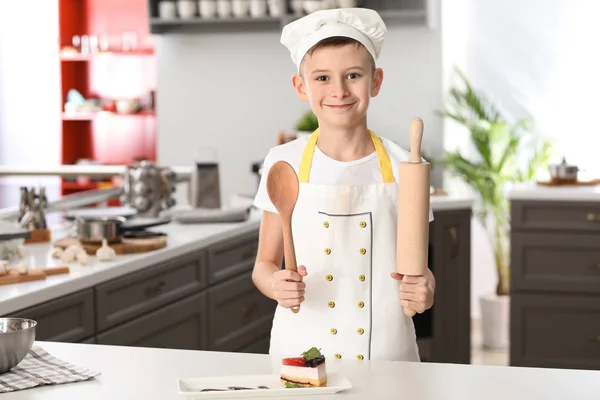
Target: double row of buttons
[{"x": 359, "y": 356}]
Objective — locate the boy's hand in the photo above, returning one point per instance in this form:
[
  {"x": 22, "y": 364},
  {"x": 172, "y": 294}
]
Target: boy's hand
[
  {"x": 288, "y": 288},
  {"x": 416, "y": 292}
]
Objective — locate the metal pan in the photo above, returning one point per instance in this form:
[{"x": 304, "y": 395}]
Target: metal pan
[{"x": 94, "y": 229}]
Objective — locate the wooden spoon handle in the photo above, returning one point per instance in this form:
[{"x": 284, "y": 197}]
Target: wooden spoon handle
[
  {"x": 416, "y": 136},
  {"x": 289, "y": 252}
]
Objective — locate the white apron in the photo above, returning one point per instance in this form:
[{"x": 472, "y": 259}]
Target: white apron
[{"x": 345, "y": 236}]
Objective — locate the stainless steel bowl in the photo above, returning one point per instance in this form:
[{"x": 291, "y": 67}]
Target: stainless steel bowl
[{"x": 16, "y": 338}]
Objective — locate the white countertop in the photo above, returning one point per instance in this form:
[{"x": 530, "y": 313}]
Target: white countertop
[
  {"x": 546, "y": 193},
  {"x": 181, "y": 239},
  {"x": 143, "y": 373}
]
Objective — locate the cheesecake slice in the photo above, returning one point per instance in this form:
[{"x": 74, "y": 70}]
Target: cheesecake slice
[{"x": 306, "y": 371}]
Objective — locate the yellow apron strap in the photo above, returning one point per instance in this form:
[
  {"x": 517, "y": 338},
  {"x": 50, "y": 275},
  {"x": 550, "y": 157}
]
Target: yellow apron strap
[
  {"x": 382, "y": 154},
  {"x": 384, "y": 159}
]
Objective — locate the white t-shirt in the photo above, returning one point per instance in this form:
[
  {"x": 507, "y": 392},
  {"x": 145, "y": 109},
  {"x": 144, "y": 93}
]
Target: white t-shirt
[{"x": 325, "y": 170}]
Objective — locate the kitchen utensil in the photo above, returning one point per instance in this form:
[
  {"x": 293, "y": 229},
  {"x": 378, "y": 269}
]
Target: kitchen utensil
[
  {"x": 125, "y": 246},
  {"x": 125, "y": 212},
  {"x": 283, "y": 188},
  {"x": 33, "y": 274},
  {"x": 94, "y": 229},
  {"x": 16, "y": 338},
  {"x": 563, "y": 171},
  {"x": 553, "y": 182},
  {"x": 413, "y": 210},
  {"x": 148, "y": 188}
]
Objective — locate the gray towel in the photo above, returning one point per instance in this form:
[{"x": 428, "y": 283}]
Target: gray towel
[{"x": 40, "y": 368}]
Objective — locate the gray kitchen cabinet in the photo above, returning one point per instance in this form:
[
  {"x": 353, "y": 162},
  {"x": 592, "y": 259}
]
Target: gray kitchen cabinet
[
  {"x": 181, "y": 325},
  {"x": 132, "y": 295},
  {"x": 67, "y": 319},
  {"x": 555, "y": 284},
  {"x": 239, "y": 315},
  {"x": 443, "y": 332}
]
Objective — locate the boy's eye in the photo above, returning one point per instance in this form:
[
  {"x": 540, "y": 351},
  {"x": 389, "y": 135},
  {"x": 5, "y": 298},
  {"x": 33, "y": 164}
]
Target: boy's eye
[
  {"x": 321, "y": 78},
  {"x": 353, "y": 75}
]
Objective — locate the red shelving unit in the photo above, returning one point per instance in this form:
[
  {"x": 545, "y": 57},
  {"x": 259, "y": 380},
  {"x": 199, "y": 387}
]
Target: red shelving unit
[{"x": 119, "y": 66}]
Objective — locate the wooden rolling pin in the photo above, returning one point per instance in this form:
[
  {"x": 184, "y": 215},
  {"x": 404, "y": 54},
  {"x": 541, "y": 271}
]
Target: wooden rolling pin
[{"x": 413, "y": 210}]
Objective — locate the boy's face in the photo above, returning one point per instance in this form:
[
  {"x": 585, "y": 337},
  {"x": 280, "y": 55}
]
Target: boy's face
[{"x": 338, "y": 82}]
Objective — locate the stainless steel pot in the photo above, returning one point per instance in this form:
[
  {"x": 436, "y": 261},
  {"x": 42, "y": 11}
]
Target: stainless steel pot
[
  {"x": 94, "y": 229},
  {"x": 564, "y": 171}
]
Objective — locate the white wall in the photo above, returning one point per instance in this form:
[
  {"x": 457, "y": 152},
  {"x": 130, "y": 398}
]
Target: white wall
[
  {"x": 233, "y": 92},
  {"x": 29, "y": 92},
  {"x": 534, "y": 57}
]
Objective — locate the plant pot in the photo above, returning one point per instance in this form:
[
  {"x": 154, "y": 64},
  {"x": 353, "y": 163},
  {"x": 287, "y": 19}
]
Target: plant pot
[{"x": 495, "y": 319}]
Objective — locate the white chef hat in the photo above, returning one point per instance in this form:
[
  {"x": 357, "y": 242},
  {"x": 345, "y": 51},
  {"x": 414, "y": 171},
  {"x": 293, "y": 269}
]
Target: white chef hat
[{"x": 361, "y": 24}]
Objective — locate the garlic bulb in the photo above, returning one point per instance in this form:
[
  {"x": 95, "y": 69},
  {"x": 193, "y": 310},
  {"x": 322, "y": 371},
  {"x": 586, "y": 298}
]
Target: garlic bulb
[
  {"x": 82, "y": 258},
  {"x": 76, "y": 248},
  {"x": 22, "y": 268},
  {"x": 106, "y": 253},
  {"x": 57, "y": 252},
  {"x": 68, "y": 255}
]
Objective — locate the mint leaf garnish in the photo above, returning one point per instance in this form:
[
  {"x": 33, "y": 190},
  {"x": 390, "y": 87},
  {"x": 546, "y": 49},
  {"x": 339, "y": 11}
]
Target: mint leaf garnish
[{"x": 312, "y": 353}]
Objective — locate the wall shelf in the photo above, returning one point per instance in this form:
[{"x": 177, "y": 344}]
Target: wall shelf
[
  {"x": 102, "y": 114},
  {"x": 413, "y": 13},
  {"x": 87, "y": 57}
]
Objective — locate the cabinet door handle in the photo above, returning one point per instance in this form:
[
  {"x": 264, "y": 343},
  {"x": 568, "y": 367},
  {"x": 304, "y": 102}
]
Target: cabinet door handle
[
  {"x": 154, "y": 290},
  {"x": 596, "y": 267},
  {"x": 593, "y": 217},
  {"x": 596, "y": 339},
  {"x": 454, "y": 235}
]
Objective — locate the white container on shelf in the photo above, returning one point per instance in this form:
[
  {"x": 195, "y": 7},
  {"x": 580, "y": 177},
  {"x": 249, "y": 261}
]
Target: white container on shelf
[
  {"x": 167, "y": 9},
  {"x": 207, "y": 8},
  {"x": 240, "y": 8},
  {"x": 258, "y": 8},
  {"x": 186, "y": 9},
  {"x": 310, "y": 6},
  {"x": 276, "y": 8},
  {"x": 347, "y": 3},
  {"x": 224, "y": 8},
  {"x": 296, "y": 6}
]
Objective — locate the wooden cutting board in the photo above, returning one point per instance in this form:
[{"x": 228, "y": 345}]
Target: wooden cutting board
[
  {"x": 34, "y": 274},
  {"x": 126, "y": 246},
  {"x": 569, "y": 183}
]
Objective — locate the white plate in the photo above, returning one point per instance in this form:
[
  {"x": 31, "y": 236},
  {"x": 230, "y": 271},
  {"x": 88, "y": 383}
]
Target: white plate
[{"x": 191, "y": 387}]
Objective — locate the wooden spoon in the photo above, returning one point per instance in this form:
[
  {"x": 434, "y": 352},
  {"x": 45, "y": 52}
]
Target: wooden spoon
[{"x": 283, "y": 187}]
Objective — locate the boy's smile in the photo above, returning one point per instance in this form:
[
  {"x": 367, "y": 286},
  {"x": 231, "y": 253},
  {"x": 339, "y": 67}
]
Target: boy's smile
[{"x": 338, "y": 82}]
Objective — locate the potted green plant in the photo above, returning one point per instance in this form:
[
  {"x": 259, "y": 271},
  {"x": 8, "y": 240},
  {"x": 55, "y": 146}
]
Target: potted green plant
[
  {"x": 307, "y": 124},
  {"x": 505, "y": 153}
]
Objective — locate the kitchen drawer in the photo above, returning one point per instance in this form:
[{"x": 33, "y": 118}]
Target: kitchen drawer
[
  {"x": 66, "y": 319},
  {"x": 555, "y": 262},
  {"x": 555, "y": 215},
  {"x": 239, "y": 314},
  {"x": 181, "y": 325},
  {"x": 555, "y": 331},
  {"x": 231, "y": 258},
  {"x": 134, "y": 294}
]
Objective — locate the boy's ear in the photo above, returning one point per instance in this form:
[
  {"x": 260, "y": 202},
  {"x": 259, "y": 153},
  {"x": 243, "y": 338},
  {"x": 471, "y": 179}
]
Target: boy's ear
[
  {"x": 377, "y": 81},
  {"x": 300, "y": 87}
]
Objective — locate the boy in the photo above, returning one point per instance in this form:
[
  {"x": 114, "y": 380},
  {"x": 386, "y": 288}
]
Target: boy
[{"x": 344, "y": 222}]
